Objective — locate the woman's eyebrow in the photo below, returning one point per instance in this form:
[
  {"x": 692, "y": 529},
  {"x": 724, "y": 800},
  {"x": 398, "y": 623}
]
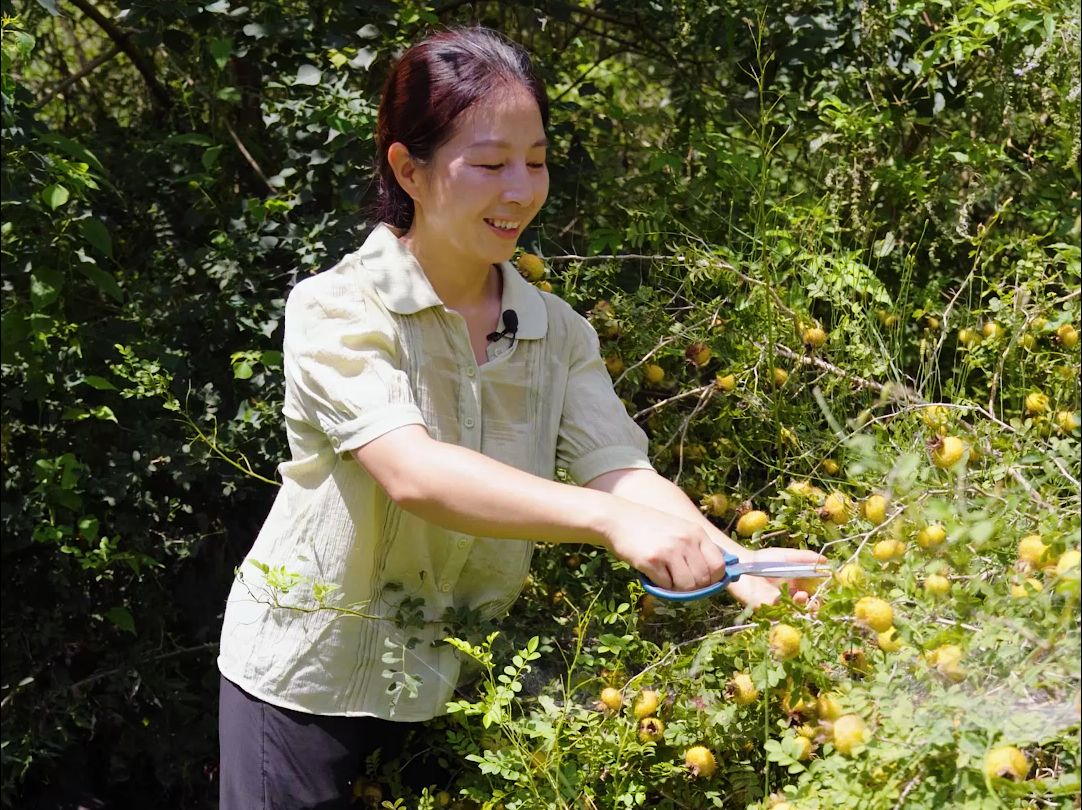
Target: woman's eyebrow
[{"x": 505, "y": 144}]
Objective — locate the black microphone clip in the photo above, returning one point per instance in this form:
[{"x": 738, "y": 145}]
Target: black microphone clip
[{"x": 510, "y": 327}]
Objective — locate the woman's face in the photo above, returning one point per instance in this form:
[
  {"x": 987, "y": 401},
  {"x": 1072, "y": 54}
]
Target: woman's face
[{"x": 483, "y": 186}]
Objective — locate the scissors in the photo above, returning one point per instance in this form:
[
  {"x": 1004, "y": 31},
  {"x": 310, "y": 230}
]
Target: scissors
[{"x": 734, "y": 569}]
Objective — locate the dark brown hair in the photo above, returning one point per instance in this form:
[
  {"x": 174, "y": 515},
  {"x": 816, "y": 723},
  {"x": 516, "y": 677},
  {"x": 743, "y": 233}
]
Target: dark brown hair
[{"x": 433, "y": 83}]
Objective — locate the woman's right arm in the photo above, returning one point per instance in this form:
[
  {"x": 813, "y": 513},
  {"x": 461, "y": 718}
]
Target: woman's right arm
[{"x": 462, "y": 490}]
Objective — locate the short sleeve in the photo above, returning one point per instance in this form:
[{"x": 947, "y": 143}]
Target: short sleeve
[
  {"x": 340, "y": 360},
  {"x": 597, "y": 435}
]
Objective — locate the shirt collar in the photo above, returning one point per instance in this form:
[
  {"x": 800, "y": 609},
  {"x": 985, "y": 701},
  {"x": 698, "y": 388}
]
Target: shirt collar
[{"x": 405, "y": 289}]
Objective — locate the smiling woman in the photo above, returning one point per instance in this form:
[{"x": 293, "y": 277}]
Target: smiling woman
[{"x": 431, "y": 393}]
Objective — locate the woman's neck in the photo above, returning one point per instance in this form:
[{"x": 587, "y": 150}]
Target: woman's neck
[{"x": 459, "y": 288}]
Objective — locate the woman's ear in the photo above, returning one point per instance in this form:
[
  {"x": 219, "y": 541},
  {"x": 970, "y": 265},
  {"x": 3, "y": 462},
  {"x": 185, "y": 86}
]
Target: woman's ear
[{"x": 406, "y": 170}]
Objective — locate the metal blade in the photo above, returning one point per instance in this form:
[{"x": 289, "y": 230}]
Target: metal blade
[{"x": 783, "y": 569}]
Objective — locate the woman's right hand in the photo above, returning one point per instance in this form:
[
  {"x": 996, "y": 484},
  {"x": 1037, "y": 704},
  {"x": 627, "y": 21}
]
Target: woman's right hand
[{"x": 674, "y": 553}]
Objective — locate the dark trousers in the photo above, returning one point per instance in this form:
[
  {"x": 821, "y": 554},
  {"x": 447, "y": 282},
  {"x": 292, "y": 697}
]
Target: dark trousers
[{"x": 280, "y": 759}]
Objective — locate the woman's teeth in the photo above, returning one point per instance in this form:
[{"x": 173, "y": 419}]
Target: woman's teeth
[{"x": 503, "y": 224}]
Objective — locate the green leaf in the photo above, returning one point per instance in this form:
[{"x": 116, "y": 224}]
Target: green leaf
[
  {"x": 73, "y": 149},
  {"x": 308, "y": 74},
  {"x": 55, "y": 195},
  {"x": 242, "y": 371},
  {"x": 210, "y": 157},
  {"x": 98, "y": 383},
  {"x": 45, "y": 286},
  {"x": 230, "y": 95},
  {"x": 103, "y": 281},
  {"x": 95, "y": 232},
  {"x": 221, "y": 48},
  {"x": 122, "y": 618}
]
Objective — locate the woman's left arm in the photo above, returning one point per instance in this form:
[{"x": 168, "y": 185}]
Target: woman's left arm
[{"x": 648, "y": 488}]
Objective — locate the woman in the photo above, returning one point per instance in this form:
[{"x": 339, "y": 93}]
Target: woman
[{"x": 431, "y": 394}]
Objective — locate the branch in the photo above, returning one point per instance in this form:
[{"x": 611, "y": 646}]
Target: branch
[
  {"x": 82, "y": 74},
  {"x": 248, "y": 156},
  {"x": 146, "y": 68}
]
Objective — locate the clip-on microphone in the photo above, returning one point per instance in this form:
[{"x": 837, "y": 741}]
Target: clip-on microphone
[{"x": 510, "y": 327}]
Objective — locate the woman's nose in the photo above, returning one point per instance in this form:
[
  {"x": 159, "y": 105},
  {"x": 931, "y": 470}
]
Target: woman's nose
[{"x": 519, "y": 186}]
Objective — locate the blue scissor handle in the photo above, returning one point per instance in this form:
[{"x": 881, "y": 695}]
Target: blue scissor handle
[{"x": 687, "y": 596}]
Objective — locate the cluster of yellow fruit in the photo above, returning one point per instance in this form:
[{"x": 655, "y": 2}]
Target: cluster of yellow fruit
[
  {"x": 698, "y": 759},
  {"x": 968, "y": 337},
  {"x": 1035, "y": 556},
  {"x": 532, "y": 268}
]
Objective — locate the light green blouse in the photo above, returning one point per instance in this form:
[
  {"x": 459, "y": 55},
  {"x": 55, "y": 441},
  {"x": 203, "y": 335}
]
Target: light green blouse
[{"x": 369, "y": 348}]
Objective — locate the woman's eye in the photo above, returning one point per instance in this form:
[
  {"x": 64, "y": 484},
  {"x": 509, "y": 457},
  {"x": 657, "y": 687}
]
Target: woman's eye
[
  {"x": 493, "y": 166},
  {"x": 536, "y": 165}
]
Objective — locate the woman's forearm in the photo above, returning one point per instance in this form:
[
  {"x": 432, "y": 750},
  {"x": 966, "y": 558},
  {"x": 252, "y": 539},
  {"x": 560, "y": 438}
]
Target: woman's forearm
[{"x": 465, "y": 491}]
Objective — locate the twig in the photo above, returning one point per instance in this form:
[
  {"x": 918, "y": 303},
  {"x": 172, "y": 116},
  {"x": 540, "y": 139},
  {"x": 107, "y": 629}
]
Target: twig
[
  {"x": 145, "y": 68},
  {"x": 1017, "y": 476},
  {"x": 604, "y": 257},
  {"x": 805, "y": 360},
  {"x": 693, "y": 392},
  {"x": 87, "y": 69},
  {"x": 248, "y": 156},
  {"x": 98, "y": 676}
]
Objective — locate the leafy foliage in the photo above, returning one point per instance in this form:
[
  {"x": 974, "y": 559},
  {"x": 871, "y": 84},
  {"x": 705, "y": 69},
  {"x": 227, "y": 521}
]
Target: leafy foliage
[{"x": 904, "y": 176}]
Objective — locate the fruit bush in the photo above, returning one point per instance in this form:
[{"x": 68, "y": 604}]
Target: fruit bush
[{"x": 841, "y": 295}]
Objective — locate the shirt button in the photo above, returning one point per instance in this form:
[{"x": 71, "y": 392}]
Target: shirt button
[
  {"x": 471, "y": 372},
  {"x": 463, "y": 543},
  {"x": 498, "y": 352},
  {"x": 445, "y": 587},
  {"x": 469, "y": 422}
]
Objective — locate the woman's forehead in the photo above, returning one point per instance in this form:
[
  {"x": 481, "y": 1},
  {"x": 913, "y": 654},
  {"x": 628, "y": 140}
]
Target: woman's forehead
[{"x": 504, "y": 120}]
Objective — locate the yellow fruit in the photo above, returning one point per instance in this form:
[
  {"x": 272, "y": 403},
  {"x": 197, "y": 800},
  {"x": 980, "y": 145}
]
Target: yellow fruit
[
  {"x": 835, "y": 509},
  {"x": 931, "y": 535},
  {"x": 1036, "y": 403},
  {"x": 887, "y": 641},
  {"x": 1031, "y": 549},
  {"x": 751, "y": 522},
  {"x": 830, "y": 466},
  {"x": 936, "y": 417},
  {"x": 780, "y": 377},
  {"x": 814, "y": 337},
  {"x": 931, "y": 323},
  {"x": 700, "y": 762},
  {"x": 886, "y": 550},
  {"x": 615, "y": 364},
  {"x": 612, "y": 699},
  {"x": 855, "y": 661},
  {"x": 1021, "y": 590},
  {"x": 874, "y": 612},
  {"x": 937, "y": 585},
  {"x": 443, "y": 799},
  {"x": 1068, "y": 336},
  {"x": 991, "y": 329},
  {"x": 531, "y": 267},
  {"x": 948, "y": 451},
  {"x": 645, "y": 704},
  {"x": 544, "y": 285},
  {"x": 1068, "y": 560},
  {"x": 805, "y": 748},
  {"x": 784, "y": 641},
  {"x": 807, "y": 584},
  {"x": 651, "y": 729},
  {"x": 1066, "y": 421},
  {"x": 726, "y": 382},
  {"x": 371, "y": 795},
  {"x": 1006, "y": 762},
  {"x": 647, "y": 605},
  {"x": 653, "y": 373},
  {"x": 947, "y": 661},
  {"x": 875, "y": 509},
  {"x": 1029, "y": 341},
  {"x": 698, "y": 354},
  {"x": 715, "y": 504},
  {"x": 827, "y": 706},
  {"x": 849, "y": 733},
  {"x": 742, "y": 689},
  {"x": 851, "y": 575},
  {"x": 968, "y": 338}
]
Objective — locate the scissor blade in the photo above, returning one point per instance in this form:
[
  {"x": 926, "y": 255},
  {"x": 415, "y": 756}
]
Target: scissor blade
[{"x": 781, "y": 569}]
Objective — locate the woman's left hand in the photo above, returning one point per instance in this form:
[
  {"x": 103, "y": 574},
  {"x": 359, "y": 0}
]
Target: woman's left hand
[{"x": 756, "y": 591}]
